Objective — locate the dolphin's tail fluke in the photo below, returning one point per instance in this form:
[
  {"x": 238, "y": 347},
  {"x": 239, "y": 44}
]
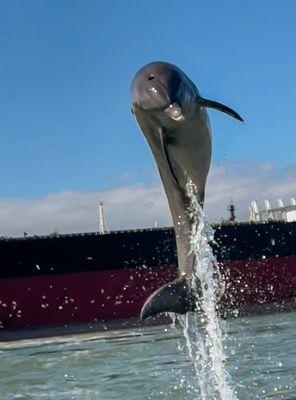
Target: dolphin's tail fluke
[{"x": 174, "y": 297}]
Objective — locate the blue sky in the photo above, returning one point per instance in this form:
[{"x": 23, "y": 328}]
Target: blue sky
[{"x": 66, "y": 67}]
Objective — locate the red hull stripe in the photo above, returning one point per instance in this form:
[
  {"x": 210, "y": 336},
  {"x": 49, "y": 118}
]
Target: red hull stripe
[{"x": 30, "y": 302}]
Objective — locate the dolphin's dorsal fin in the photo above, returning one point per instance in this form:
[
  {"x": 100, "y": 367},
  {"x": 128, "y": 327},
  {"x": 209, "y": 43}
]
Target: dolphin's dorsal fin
[{"x": 218, "y": 106}]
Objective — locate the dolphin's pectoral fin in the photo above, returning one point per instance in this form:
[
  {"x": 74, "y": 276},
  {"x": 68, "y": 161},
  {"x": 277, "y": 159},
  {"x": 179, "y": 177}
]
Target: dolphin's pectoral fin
[
  {"x": 164, "y": 149},
  {"x": 174, "y": 297},
  {"x": 218, "y": 106}
]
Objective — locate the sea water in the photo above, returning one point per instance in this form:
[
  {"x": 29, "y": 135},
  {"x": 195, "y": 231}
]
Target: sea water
[{"x": 150, "y": 363}]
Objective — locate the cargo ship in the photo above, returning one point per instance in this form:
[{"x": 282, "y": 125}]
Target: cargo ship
[{"x": 88, "y": 278}]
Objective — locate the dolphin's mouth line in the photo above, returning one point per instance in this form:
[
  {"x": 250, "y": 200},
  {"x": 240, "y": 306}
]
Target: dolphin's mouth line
[
  {"x": 164, "y": 148},
  {"x": 166, "y": 153}
]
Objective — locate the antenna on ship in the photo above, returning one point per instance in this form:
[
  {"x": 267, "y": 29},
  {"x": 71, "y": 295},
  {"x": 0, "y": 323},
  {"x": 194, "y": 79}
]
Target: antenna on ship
[
  {"x": 102, "y": 222},
  {"x": 281, "y": 203},
  {"x": 231, "y": 209},
  {"x": 268, "y": 213},
  {"x": 255, "y": 215}
]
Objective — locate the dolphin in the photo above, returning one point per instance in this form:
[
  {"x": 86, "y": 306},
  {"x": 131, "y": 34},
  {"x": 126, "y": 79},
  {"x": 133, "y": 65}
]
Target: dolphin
[{"x": 172, "y": 116}]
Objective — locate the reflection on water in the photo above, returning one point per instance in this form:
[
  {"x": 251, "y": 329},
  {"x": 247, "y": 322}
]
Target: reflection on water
[{"x": 150, "y": 363}]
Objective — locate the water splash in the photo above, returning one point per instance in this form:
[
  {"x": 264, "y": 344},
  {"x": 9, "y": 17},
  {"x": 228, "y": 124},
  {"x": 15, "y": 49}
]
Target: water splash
[
  {"x": 173, "y": 318},
  {"x": 202, "y": 330}
]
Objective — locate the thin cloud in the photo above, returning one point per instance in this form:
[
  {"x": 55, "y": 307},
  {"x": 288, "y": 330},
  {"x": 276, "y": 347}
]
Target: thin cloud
[{"x": 130, "y": 207}]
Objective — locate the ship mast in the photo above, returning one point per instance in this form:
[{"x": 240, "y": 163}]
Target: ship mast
[
  {"x": 103, "y": 228},
  {"x": 231, "y": 209}
]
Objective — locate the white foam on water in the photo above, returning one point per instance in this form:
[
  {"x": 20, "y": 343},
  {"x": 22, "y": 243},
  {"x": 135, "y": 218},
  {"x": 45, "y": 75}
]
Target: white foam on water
[
  {"x": 202, "y": 329},
  {"x": 173, "y": 318}
]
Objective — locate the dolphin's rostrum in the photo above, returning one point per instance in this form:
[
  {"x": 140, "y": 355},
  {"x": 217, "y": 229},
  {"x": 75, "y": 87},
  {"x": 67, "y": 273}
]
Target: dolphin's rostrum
[{"x": 172, "y": 115}]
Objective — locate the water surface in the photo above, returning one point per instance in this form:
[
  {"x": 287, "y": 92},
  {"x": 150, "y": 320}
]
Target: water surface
[{"x": 150, "y": 363}]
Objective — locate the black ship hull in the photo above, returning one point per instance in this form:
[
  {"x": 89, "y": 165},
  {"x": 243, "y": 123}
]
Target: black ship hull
[{"x": 88, "y": 278}]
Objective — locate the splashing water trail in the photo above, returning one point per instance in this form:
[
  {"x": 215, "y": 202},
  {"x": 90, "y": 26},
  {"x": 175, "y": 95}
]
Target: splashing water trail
[{"x": 202, "y": 329}]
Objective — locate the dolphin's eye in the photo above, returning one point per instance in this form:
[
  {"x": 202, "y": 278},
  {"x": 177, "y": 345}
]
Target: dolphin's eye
[{"x": 150, "y": 77}]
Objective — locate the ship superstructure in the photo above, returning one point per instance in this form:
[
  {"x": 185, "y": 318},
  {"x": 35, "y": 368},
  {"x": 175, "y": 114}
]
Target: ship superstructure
[{"x": 280, "y": 212}]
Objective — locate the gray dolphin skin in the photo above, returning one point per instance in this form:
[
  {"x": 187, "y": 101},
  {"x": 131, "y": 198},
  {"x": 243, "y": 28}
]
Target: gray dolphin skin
[{"x": 173, "y": 118}]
